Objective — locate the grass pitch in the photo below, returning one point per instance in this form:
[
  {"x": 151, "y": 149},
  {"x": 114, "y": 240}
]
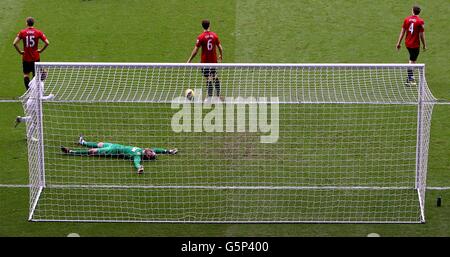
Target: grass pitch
[{"x": 250, "y": 31}]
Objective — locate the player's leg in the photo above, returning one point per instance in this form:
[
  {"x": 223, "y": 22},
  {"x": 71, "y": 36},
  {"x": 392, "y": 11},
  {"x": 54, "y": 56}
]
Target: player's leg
[
  {"x": 83, "y": 142},
  {"x": 96, "y": 149},
  {"x": 20, "y": 119},
  {"x": 413, "y": 55},
  {"x": 91, "y": 151},
  {"x": 209, "y": 80},
  {"x": 159, "y": 150},
  {"x": 33, "y": 71},
  {"x": 27, "y": 68},
  {"x": 216, "y": 81},
  {"x": 95, "y": 144},
  {"x": 217, "y": 85},
  {"x": 26, "y": 80},
  {"x": 92, "y": 144},
  {"x": 209, "y": 83},
  {"x": 411, "y": 72}
]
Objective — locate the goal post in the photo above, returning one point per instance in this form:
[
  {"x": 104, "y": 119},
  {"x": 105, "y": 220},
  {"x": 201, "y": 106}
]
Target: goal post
[{"x": 283, "y": 143}]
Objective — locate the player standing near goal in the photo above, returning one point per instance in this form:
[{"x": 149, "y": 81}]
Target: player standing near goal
[
  {"x": 208, "y": 40},
  {"x": 137, "y": 154},
  {"x": 31, "y": 52},
  {"x": 414, "y": 28}
]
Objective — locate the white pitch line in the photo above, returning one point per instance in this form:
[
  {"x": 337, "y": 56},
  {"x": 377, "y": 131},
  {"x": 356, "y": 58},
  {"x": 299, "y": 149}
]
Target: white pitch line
[
  {"x": 16, "y": 186},
  {"x": 9, "y": 101},
  {"x": 438, "y": 188},
  {"x": 26, "y": 186}
]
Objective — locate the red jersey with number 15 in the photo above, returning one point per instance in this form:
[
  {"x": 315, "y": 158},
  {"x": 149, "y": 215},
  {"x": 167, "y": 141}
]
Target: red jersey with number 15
[
  {"x": 30, "y": 38},
  {"x": 413, "y": 26},
  {"x": 208, "y": 40}
]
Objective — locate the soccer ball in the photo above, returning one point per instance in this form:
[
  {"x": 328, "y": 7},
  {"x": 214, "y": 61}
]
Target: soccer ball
[{"x": 189, "y": 93}]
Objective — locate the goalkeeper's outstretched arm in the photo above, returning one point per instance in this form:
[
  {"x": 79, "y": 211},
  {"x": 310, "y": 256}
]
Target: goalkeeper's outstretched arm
[{"x": 137, "y": 164}]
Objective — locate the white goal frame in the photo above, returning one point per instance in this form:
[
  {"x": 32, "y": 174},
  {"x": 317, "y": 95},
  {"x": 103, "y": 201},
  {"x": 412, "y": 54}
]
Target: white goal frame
[{"x": 39, "y": 94}]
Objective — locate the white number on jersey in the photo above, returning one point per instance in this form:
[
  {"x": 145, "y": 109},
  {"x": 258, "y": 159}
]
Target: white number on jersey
[
  {"x": 134, "y": 149},
  {"x": 29, "y": 41},
  {"x": 209, "y": 45},
  {"x": 411, "y": 28}
]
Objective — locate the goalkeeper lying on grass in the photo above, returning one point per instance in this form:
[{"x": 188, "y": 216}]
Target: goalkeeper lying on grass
[{"x": 108, "y": 149}]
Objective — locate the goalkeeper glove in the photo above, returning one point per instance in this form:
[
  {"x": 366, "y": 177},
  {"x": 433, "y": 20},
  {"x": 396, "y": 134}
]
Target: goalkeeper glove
[{"x": 141, "y": 169}]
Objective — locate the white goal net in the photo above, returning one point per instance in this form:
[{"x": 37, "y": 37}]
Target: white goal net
[{"x": 283, "y": 142}]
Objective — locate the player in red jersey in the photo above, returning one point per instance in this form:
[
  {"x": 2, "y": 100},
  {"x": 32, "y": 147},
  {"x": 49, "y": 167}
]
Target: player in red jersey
[
  {"x": 208, "y": 41},
  {"x": 414, "y": 28},
  {"x": 31, "y": 52}
]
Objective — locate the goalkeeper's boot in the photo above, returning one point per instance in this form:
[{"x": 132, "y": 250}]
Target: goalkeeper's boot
[
  {"x": 81, "y": 140},
  {"x": 65, "y": 149},
  {"x": 173, "y": 151},
  {"x": 17, "y": 121}
]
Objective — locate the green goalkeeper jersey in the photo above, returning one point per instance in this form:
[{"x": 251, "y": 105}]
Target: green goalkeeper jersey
[
  {"x": 125, "y": 151},
  {"x": 131, "y": 152}
]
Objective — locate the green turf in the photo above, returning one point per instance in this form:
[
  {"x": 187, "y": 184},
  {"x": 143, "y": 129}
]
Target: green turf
[
  {"x": 310, "y": 151},
  {"x": 14, "y": 223},
  {"x": 250, "y": 31}
]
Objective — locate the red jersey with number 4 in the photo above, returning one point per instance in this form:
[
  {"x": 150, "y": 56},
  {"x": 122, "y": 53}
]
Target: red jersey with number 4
[
  {"x": 30, "y": 38},
  {"x": 208, "y": 40},
  {"x": 413, "y": 26}
]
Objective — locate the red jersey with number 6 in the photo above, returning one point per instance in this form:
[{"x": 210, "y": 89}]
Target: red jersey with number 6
[
  {"x": 30, "y": 37},
  {"x": 208, "y": 40},
  {"x": 413, "y": 26}
]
